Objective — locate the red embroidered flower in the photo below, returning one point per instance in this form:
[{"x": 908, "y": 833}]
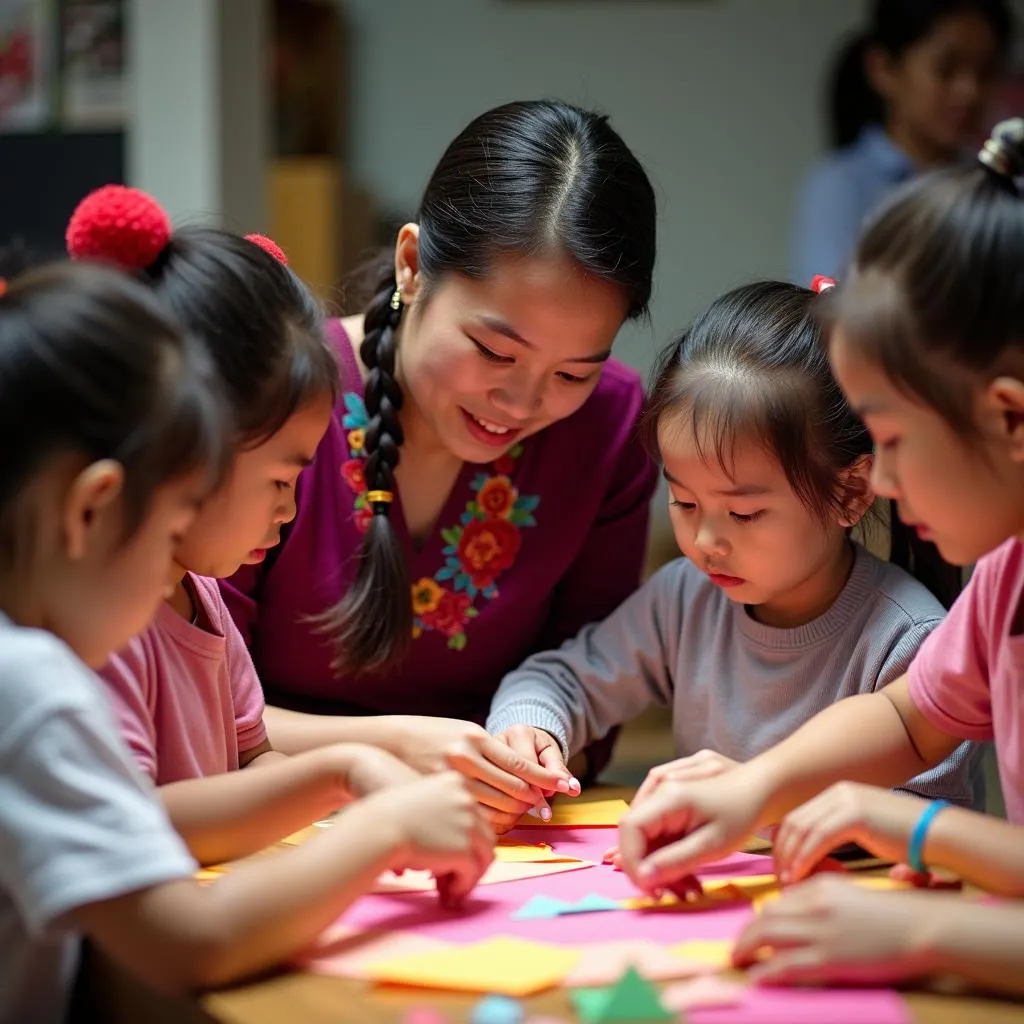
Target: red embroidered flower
[
  {"x": 504, "y": 465},
  {"x": 449, "y": 617},
  {"x": 362, "y": 517},
  {"x": 487, "y": 548},
  {"x": 354, "y": 472},
  {"x": 495, "y": 497}
]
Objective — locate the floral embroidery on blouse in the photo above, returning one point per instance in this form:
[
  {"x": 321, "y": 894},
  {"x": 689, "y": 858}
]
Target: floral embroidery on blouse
[{"x": 478, "y": 549}]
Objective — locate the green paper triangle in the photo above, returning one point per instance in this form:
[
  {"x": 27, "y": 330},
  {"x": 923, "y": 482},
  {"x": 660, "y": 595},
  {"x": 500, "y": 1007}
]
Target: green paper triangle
[{"x": 632, "y": 998}]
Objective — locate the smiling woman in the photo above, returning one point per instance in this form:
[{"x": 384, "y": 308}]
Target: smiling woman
[{"x": 480, "y": 493}]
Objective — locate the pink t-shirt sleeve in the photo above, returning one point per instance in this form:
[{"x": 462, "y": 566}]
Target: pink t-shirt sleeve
[
  {"x": 950, "y": 677},
  {"x": 246, "y": 692},
  {"x": 131, "y": 683}
]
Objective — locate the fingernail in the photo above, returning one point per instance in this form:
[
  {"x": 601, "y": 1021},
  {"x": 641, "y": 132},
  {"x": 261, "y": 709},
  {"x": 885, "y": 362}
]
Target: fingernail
[
  {"x": 545, "y": 813},
  {"x": 574, "y": 785},
  {"x": 534, "y": 812}
]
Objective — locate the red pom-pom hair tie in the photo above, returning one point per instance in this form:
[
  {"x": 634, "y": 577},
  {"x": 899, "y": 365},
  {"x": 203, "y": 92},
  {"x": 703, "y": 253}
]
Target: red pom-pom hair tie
[
  {"x": 820, "y": 283},
  {"x": 119, "y": 225},
  {"x": 269, "y": 246}
]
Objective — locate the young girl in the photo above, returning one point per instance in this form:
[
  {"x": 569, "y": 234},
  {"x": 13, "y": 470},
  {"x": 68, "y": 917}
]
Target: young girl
[
  {"x": 440, "y": 538},
  {"x": 926, "y": 344},
  {"x": 908, "y": 95},
  {"x": 185, "y": 692},
  {"x": 113, "y": 432},
  {"x": 774, "y": 613}
]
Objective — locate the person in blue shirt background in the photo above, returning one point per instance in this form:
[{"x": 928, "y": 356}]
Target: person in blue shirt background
[{"x": 906, "y": 96}]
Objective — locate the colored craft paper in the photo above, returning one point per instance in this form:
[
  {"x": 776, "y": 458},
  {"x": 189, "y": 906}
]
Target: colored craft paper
[
  {"x": 503, "y": 964},
  {"x": 709, "y": 990},
  {"x": 605, "y": 963},
  {"x": 514, "y": 852},
  {"x": 632, "y": 999},
  {"x": 572, "y": 814},
  {"x": 488, "y": 909},
  {"x": 349, "y": 955},
  {"x": 807, "y": 1006},
  {"x": 715, "y": 953},
  {"x": 423, "y": 881},
  {"x": 539, "y": 906}
]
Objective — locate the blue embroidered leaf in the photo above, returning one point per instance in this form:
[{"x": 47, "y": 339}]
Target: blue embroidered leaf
[
  {"x": 452, "y": 535},
  {"x": 527, "y": 503},
  {"x": 479, "y": 480},
  {"x": 517, "y": 517},
  {"x": 449, "y": 550},
  {"x": 471, "y": 590},
  {"x": 457, "y": 642},
  {"x": 444, "y": 574},
  {"x": 356, "y": 416},
  {"x": 491, "y": 592},
  {"x": 472, "y": 509},
  {"x": 461, "y": 581},
  {"x": 466, "y": 518}
]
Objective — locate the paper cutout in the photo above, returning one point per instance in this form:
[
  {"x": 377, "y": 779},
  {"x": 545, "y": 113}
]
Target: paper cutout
[
  {"x": 423, "y": 881},
  {"x": 510, "y": 851},
  {"x": 347, "y": 953},
  {"x": 715, "y": 953},
  {"x": 764, "y": 1005},
  {"x": 497, "y": 1010},
  {"x": 590, "y": 904},
  {"x": 631, "y": 999},
  {"x": 571, "y": 814},
  {"x": 539, "y": 906},
  {"x": 708, "y": 990},
  {"x": 513, "y": 967},
  {"x": 603, "y": 964}
]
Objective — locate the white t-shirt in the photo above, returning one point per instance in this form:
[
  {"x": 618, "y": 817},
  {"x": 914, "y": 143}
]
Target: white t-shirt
[{"x": 78, "y": 823}]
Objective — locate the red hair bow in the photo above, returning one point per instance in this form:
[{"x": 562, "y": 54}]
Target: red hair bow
[{"x": 820, "y": 283}]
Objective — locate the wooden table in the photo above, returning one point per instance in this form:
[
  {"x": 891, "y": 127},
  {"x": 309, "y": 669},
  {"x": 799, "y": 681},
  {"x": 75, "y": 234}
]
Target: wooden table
[{"x": 111, "y": 995}]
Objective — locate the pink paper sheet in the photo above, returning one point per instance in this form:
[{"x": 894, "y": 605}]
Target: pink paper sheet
[
  {"x": 807, "y": 1006},
  {"x": 488, "y": 911}
]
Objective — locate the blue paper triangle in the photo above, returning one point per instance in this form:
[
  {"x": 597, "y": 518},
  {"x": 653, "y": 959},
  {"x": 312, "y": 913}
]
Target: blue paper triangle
[
  {"x": 590, "y": 904},
  {"x": 540, "y": 906}
]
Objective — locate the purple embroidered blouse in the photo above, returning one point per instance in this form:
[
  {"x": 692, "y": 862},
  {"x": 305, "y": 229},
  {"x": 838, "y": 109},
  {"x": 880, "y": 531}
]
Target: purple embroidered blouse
[{"x": 526, "y": 551}]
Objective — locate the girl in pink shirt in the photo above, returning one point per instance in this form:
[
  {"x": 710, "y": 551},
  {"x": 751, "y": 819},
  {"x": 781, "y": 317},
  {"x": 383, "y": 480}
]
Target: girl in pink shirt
[
  {"x": 187, "y": 698},
  {"x": 926, "y": 343}
]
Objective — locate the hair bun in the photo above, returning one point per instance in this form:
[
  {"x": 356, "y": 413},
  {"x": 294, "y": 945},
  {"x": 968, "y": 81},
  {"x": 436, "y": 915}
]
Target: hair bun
[
  {"x": 1004, "y": 150},
  {"x": 119, "y": 225},
  {"x": 269, "y": 246}
]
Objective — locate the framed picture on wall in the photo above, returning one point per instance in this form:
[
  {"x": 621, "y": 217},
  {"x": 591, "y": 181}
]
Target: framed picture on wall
[
  {"x": 92, "y": 64},
  {"x": 27, "y": 38}
]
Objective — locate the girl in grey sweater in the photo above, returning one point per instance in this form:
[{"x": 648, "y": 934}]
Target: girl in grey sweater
[{"x": 775, "y": 612}]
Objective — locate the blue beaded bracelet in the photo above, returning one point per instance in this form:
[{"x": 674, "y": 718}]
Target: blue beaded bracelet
[{"x": 917, "y": 837}]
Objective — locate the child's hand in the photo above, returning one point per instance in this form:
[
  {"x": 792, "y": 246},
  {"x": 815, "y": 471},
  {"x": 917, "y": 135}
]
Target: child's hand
[
  {"x": 540, "y": 750},
  {"x": 829, "y": 930},
  {"x": 441, "y": 830},
  {"x": 369, "y": 769},
  {"x": 705, "y": 764},
  {"x": 877, "y": 819},
  {"x": 505, "y": 783},
  {"x": 685, "y": 824}
]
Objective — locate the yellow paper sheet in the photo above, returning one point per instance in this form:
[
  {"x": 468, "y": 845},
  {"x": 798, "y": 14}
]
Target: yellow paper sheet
[
  {"x": 499, "y": 871},
  {"x": 512, "y": 967},
  {"x": 509, "y": 851},
  {"x": 572, "y": 814},
  {"x": 714, "y": 952},
  {"x": 716, "y": 891}
]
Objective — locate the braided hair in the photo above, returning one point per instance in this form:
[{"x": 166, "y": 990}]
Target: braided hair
[{"x": 525, "y": 178}]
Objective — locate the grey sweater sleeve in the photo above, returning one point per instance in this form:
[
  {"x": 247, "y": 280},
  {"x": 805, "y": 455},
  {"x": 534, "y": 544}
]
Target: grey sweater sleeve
[
  {"x": 960, "y": 778},
  {"x": 606, "y": 675}
]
